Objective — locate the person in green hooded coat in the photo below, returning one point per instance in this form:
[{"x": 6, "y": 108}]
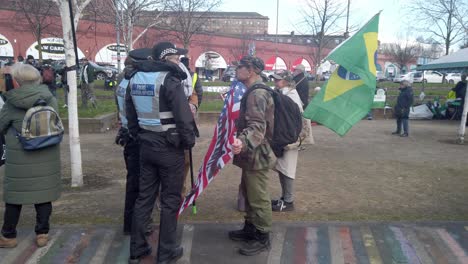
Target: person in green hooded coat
[{"x": 31, "y": 177}]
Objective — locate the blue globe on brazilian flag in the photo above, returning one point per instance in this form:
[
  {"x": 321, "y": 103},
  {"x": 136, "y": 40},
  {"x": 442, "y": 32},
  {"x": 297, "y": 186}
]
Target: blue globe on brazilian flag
[{"x": 348, "y": 94}]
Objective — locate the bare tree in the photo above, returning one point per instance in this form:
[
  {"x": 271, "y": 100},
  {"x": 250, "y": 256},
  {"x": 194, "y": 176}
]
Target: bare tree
[
  {"x": 38, "y": 14},
  {"x": 439, "y": 18},
  {"x": 73, "y": 128},
  {"x": 243, "y": 46},
  {"x": 322, "y": 18},
  {"x": 188, "y": 17},
  {"x": 131, "y": 13},
  {"x": 401, "y": 53}
]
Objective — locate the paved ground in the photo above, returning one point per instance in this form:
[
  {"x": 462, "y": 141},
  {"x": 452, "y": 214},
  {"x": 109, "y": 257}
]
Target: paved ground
[{"x": 336, "y": 243}]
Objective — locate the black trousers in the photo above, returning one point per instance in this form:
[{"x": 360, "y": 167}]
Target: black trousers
[
  {"x": 12, "y": 215},
  {"x": 163, "y": 167},
  {"x": 132, "y": 162}
]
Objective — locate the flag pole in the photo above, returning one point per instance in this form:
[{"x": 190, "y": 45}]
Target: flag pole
[{"x": 194, "y": 206}]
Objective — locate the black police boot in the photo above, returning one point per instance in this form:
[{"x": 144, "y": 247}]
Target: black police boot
[
  {"x": 245, "y": 234},
  {"x": 259, "y": 244},
  {"x": 176, "y": 254},
  {"x": 137, "y": 259}
]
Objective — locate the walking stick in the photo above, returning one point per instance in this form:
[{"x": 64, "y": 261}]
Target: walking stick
[{"x": 194, "y": 207}]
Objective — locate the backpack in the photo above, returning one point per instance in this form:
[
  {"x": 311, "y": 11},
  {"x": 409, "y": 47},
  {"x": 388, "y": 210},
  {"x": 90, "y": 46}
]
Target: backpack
[
  {"x": 48, "y": 75},
  {"x": 41, "y": 128},
  {"x": 288, "y": 119}
]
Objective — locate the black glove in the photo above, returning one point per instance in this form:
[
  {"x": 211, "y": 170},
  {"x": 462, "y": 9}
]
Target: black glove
[
  {"x": 123, "y": 137},
  {"x": 188, "y": 139}
]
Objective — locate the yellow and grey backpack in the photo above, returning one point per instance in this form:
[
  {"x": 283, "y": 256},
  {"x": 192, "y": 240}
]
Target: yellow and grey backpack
[{"x": 42, "y": 127}]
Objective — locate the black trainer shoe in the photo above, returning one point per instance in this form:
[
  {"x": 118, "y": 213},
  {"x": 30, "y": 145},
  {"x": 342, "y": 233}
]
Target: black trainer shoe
[
  {"x": 283, "y": 206},
  {"x": 245, "y": 234},
  {"x": 176, "y": 254},
  {"x": 259, "y": 244},
  {"x": 275, "y": 202},
  {"x": 396, "y": 133}
]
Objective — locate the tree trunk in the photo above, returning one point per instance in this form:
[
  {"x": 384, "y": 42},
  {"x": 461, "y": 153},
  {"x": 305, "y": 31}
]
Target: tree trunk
[
  {"x": 39, "y": 48},
  {"x": 73, "y": 131}
]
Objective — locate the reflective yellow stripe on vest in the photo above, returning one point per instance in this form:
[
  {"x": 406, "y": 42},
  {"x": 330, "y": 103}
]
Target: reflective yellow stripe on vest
[{"x": 194, "y": 80}]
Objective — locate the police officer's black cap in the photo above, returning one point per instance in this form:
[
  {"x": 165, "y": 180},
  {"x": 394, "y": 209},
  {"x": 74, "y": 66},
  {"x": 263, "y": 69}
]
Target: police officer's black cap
[
  {"x": 141, "y": 54},
  {"x": 163, "y": 49},
  {"x": 250, "y": 61}
]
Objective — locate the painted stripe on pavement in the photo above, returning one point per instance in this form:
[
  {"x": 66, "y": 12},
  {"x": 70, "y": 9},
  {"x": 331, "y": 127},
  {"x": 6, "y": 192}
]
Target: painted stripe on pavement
[
  {"x": 187, "y": 240},
  {"x": 395, "y": 247},
  {"x": 277, "y": 242},
  {"x": 91, "y": 249},
  {"x": 335, "y": 246},
  {"x": 299, "y": 246},
  {"x": 311, "y": 245},
  {"x": 103, "y": 248},
  {"x": 41, "y": 252},
  {"x": 418, "y": 246},
  {"x": 406, "y": 247},
  {"x": 434, "y": 250},
  {"x": 358, "y": 245},
  {"x": 324, "y": 245},
  {"x": 75, "y": 256},
  {"x": 347, "y": 245},
  {"x": 67, "y": 247},
  {"x": 371, "y": 247},
  {"x": 453, "y": 245},
  {"x": 19, "y": 249},
  {"x": 124, "y": 251}
]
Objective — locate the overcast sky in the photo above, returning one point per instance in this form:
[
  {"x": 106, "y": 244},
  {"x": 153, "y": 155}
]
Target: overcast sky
[{"x": 392, "y": 20}]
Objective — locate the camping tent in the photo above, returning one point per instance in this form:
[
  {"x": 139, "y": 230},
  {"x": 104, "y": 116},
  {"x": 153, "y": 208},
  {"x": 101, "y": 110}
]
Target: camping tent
[{"x": 449, "y": 62}]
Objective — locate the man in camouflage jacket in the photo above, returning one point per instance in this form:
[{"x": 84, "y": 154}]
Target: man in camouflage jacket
[{"x": 255, "y": 156}]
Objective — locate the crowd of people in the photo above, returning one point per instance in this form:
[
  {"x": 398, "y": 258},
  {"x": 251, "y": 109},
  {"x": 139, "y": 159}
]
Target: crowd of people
[{"x": 158, "y": 97}]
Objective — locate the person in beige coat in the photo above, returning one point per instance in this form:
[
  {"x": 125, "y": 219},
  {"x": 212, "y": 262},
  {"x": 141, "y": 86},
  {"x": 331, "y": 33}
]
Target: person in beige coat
[{"x": 286, "y": 165}]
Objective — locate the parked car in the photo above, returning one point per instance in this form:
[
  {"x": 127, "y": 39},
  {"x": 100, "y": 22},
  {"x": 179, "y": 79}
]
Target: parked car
[
  {"x": 403, "y": 77},
  {"x": 229, "y": 74},
  {"x": 102, "y": 72},
  {"x": 412, "y": 77},
  {"x": 432, "y": 77},
  {"x": 453, "y": 78}
]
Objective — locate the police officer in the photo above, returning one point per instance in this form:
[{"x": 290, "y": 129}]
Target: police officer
[
  {"x": 123, "y": 138},
  {"x": 158, "y": 114}
]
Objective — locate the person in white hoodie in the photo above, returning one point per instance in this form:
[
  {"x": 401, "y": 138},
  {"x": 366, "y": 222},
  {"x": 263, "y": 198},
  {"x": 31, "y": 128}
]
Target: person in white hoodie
[{"x": 286, "y": 165}]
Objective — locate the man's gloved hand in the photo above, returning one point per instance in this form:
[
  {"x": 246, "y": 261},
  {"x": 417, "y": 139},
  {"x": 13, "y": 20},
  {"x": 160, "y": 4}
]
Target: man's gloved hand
[
  {"x": 123, "y": 137},
  {"x": 188, "y": 139}
]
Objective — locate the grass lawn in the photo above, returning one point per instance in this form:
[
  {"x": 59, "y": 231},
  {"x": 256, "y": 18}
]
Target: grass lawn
[
  {"x": 103, "y": 106},
  {"x": 212, "y": 101}
]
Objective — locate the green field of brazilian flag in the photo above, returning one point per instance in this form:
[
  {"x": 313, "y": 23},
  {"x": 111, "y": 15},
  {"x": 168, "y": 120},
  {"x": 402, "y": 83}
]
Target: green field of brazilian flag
[{"x": 348, "y": 94}]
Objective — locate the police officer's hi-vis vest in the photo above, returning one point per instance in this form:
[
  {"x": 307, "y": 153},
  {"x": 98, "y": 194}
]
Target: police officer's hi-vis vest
[
  {"x": 144, "y": 89},
  {"x": 120, "y": 92}
]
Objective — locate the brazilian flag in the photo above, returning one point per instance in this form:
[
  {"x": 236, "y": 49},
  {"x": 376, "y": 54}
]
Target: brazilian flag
[{"x": 348, "y": 94}]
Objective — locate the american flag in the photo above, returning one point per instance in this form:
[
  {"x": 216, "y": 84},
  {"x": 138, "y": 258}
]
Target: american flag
[{"x": 219, "y": 152}]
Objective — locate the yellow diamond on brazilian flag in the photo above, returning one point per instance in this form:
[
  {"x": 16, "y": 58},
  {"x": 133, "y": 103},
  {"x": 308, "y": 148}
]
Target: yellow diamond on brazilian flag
[{"x": 348, "y": 94}]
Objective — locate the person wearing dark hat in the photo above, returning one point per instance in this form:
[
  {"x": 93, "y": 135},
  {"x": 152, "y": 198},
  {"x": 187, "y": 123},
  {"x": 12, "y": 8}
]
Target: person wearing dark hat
[
  {"x": 302, "y": 84},
  {"x": 159, "y": 116},
  {"x": 31, "y": 61},
  {"x": 255, "y": 156}
]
